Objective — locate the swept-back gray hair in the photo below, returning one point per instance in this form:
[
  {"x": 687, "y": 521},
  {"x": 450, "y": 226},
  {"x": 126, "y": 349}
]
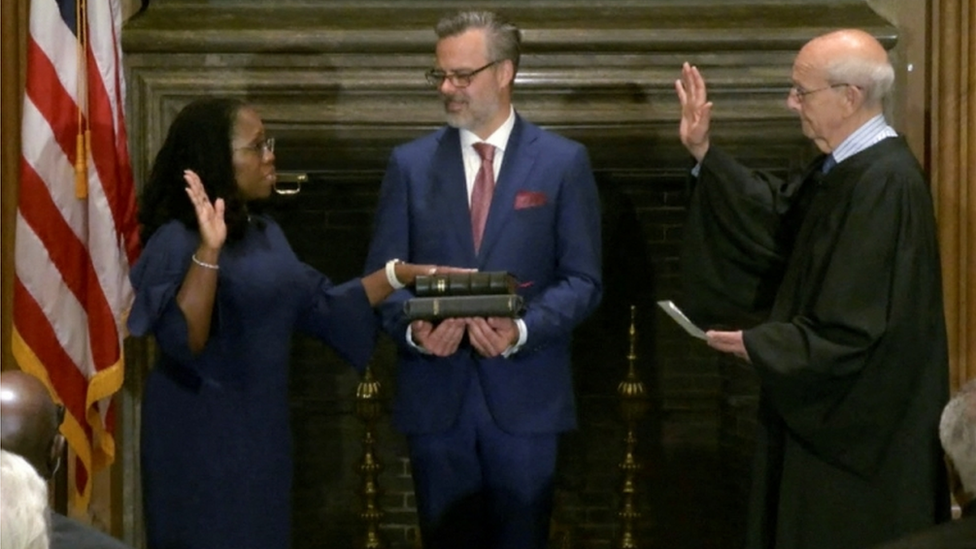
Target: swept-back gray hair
[
  {"x": 875, "y": 78},
  {"x": 957, "y": 431},
  {"x": 23, "y": 507},
  {"x": 504, "y": 38}
]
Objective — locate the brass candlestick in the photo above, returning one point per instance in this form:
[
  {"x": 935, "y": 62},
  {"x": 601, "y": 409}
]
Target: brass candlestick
[
  {"x": 369, "y": 409},
  {"x": 633, "y": 405}
]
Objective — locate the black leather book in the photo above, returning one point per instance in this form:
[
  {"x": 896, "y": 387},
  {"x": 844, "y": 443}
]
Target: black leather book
[
  {"x": 437, "y": 308},
  {"x": 469, "y": 283}
]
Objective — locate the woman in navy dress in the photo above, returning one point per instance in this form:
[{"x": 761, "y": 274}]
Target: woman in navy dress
[{"x": 222, "y": 293}]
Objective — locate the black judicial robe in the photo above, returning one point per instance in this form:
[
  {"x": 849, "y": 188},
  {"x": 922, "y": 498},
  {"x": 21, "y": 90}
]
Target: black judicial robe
[{"x": 836, "y": 280}]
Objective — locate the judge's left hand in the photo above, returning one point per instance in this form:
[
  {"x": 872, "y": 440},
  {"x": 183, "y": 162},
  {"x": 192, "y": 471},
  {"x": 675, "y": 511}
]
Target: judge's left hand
[
  {"x": 728, "y": 342},
  {"x": 492, "y": 336}
]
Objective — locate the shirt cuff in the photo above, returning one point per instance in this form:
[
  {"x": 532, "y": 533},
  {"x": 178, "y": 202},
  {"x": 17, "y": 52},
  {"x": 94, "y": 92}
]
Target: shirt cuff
[
  {"x": 413, "y": 345},
  {"x": 523, "y": 336}
]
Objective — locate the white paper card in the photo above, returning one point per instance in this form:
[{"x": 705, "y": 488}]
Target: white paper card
[{"x": 679, "y": 317}]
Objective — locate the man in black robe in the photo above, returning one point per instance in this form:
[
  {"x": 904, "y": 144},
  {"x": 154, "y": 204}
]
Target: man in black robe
[{"x": 834, "y": 279}]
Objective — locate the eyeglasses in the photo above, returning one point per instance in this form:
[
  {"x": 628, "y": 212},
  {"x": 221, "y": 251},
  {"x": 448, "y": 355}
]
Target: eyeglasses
[
  {"x": 262, "y": 147},
  {"x": 801, "y": 93},
  {"x": 458, "y": 79}
]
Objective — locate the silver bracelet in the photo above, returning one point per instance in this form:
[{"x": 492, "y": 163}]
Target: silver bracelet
[
  {"x": 204, "y": 264},
  {"x": 391, "y": 274}
]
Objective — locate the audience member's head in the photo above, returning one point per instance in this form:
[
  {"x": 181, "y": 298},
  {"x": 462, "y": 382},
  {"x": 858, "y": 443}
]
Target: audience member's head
[
  {"x": 29, "y": 421},
  {"x": 23, "y": 505},
  {"x": 957, "y": 431}
]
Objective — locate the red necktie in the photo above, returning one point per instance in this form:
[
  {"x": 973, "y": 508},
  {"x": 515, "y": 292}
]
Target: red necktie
[{"x": 484, "y": 186}]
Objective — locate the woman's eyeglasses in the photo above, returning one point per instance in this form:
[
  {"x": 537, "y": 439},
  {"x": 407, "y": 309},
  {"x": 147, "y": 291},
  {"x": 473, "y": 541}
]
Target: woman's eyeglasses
[{"x": 264, "y": 146}]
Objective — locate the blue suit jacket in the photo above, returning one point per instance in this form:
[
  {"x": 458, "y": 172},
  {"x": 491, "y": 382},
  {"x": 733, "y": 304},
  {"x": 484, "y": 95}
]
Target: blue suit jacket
[{"x": 543, "y": 226}]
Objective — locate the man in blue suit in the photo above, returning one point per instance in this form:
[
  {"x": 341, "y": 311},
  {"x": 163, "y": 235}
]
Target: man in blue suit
[{"x": 483, "y": 400}]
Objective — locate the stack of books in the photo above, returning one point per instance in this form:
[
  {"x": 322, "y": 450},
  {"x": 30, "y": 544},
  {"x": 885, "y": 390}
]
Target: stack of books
[{"x": 448, "y": 295}]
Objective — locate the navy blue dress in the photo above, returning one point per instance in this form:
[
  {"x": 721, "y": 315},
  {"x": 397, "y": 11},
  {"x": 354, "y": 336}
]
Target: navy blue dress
[{"x": 216, "y": 442}]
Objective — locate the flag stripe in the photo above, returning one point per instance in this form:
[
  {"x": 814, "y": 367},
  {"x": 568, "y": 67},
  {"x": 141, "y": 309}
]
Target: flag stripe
[
  {"x": 51, "y": 164},
  {"x": 46, "y": 158},
  {"x": 45, "y": 285},
  {"x": 104, "y": 149},
  {"x": 115, "y": 189},
  {"x": 61, "y": 370},
  {"x": 51, "y": 99},
  {"x": 71, "y": 258},
  {"x": 52, "y": 34}
]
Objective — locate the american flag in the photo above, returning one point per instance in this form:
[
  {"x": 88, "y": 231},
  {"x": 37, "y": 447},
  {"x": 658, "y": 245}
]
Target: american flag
[{"x": 77, "y": 233}]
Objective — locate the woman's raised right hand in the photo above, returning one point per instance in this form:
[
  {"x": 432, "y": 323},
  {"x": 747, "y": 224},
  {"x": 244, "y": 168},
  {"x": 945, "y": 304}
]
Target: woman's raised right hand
[{"x": 210, "y": 215}]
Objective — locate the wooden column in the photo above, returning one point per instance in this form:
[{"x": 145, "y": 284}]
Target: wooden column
[
  {"x": 14, "y": 51},
  {"x": 952, "y": 163}
]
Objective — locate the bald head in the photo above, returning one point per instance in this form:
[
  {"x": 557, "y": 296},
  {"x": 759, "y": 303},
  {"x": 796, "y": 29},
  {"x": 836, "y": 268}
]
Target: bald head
[
  {"x": 29, "y": 421},
  {"x": 850, "y": 42},
  {"x": 851, "y": 56}
]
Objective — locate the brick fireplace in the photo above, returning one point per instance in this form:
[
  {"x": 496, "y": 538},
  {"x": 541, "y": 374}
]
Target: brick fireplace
[{"x": 339, "y": 83}]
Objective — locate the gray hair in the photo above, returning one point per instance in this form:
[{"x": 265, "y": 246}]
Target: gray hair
[
  {"x": 876, "y": 79},
  {"x": 23, "y": 507},
  {"x": 957, "y": 431},
  {"x": 504, "y": 38}
]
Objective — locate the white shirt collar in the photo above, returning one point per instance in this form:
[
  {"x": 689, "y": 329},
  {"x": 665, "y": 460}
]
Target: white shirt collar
[
  {"x": 871, "y": 132},
  {"x": 499, "y": 139}
]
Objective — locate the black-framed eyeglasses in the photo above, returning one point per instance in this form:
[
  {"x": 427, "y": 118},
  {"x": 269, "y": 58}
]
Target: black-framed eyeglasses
[
  {"x": 262, "y": 147},
  {"x": 801, "y": 93},
  {"x": 458, "y": 79},
  {"x": 59, "y": 413}
]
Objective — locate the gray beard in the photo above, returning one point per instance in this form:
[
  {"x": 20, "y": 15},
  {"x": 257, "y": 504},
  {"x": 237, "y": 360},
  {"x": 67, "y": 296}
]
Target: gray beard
[{"x": 458, "y": 121}]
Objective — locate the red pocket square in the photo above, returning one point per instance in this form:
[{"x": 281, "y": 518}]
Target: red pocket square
[{"x": 529, "y": 199}]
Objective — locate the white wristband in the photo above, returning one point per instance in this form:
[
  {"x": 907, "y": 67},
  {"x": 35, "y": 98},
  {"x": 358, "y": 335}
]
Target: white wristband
[{"x": 391, "y": 274}]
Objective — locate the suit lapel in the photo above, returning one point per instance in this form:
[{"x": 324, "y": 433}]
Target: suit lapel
[
  {"x": 520, "y": 155},
  {"x": 449, "y": 190}
]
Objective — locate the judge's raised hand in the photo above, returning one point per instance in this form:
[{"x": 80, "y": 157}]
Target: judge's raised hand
[
  {"x": 210, "y": 215},
  {"x": 492, "y": 336},
  {"x": 441, "y": 340},
  {"x": 728, "y": 342},
  {"x": 696, "y": 111}
]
